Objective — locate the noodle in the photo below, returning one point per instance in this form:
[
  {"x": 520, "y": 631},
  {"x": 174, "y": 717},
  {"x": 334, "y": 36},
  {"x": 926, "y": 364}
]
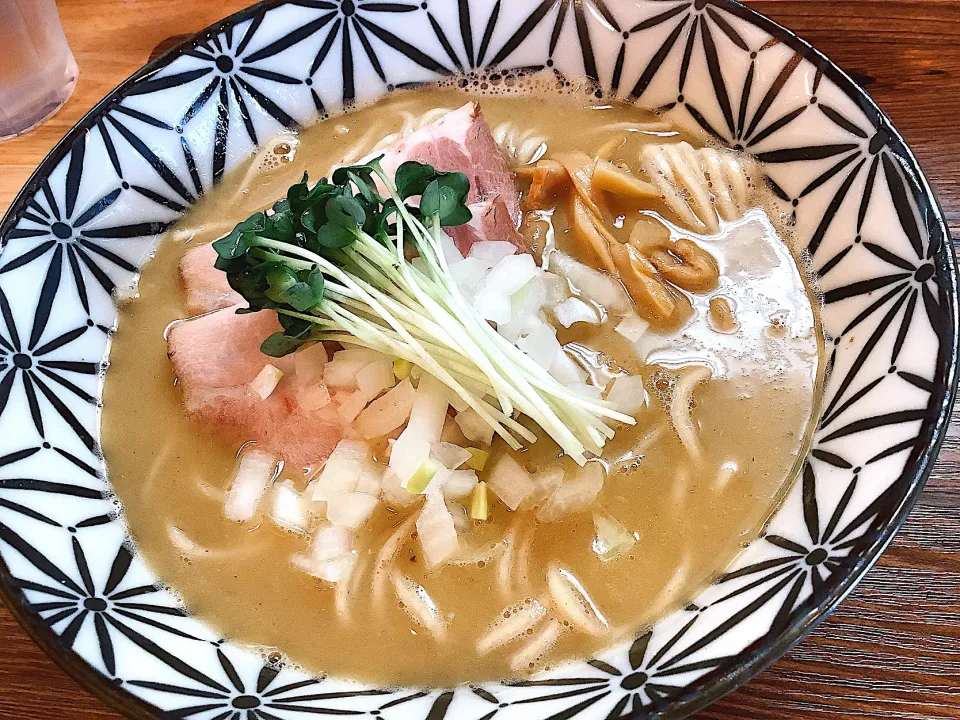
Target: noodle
[
  {"x": 349, "y": 587},
  {"x": 524, "y": 147},
  {"x": 680, "y": 407},
  {"x": 388, "y": 552},
  {"x": 275, "y": 152},
  {"x": 511, "y": 624},
  {"x": 527, "y": 657},
  {"x": 573, "y": 602},
  {"x": 419, "y": 605},
  {"x": 700, "y": 186}
]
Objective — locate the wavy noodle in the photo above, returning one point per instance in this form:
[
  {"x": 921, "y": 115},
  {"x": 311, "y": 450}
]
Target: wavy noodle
[
  {"x": 656, "y": 127},
  {"x": 349, "y": 588},
  {"x": 193, "y": 550},
  {"x": 508, "y": 560},
  {"x": 187, "y": 234},
  {"x": 700, "y": 186},
  {"x": 524, "y": 546},
  {"x": 530, "y": 654},
  {"x": 725, "y": 474},
  {"x": 511, "y": 624},
  {"x": 277, "y": 151},
  {"x": 411, "y": 123},
  {"x": 689, "y": 378},
  {"x": 521, "y": 146},
  {"x": 387, "y": 553},
  {"x": 419, "y": 605},
  {"x": 486, "y": 554},
  {"x": 572, "y": 601}
]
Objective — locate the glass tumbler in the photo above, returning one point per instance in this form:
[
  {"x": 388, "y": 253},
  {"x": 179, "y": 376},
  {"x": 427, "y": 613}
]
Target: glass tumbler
[{"x": 37, "y": 69}]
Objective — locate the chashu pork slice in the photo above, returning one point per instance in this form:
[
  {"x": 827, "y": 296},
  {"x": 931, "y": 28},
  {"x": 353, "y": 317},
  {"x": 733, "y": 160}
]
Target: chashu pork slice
[
  {"x": 205, "y": 287},
  {"x": 216, "y": 356},
  {"x": 461, "y": 141}
]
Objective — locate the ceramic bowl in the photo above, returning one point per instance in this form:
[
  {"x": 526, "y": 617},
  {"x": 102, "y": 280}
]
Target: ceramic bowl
[{"x": 90, "y": 215}]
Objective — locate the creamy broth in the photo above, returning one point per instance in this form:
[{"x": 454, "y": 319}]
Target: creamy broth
[{"x": 689, "y": 518}]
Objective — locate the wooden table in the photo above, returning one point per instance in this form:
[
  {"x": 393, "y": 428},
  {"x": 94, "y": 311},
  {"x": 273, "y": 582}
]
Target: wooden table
[{"x": 892, "y": 650}]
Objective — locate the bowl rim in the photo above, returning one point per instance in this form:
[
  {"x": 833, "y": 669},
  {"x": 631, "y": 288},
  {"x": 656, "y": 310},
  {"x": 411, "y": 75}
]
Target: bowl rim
[{"x": 760, "y": 654}]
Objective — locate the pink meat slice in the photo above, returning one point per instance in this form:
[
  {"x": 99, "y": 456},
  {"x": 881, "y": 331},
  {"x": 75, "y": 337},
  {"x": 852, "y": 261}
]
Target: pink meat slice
[
  {"x": 491, "y": 221},
  {"x": 461, "y": 141},
  {"x": 205, "y": 287},
  {"x": 216, "y": 356}
]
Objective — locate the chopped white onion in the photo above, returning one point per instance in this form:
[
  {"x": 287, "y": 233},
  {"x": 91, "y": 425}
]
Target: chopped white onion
[
  {"x": 255, "y": 472},
  {"x": 575, "y": 494},
  {"x": 456, "y": 484},
  {"x": 451, "y": 253},
  {"x": 429, "y": 409},
  {"x": 511, "y": 274},
  {"x": 491, "y": 252},
  {"x": 473, "y": 427},
  {"x": 449, "y": 455},
  {"x": 394, "y": 494},
  {"x": 287, "y": 508},
  {"x": 632, "y": 327},
  {"x": 493, "y": 305},
  {"x": 342, "y": 372},
  {"x": 352, "y": 405},
  {"x": 566, "y": 370},
  {"x": 547, "y": 481},
  {"x": 266, "y": 381},
  {"x": 530, "y": 298},
  {"x": 330, "y": 555},
  {"x": 574, "y": 310},
  {"x": 467, "y": 274},
  {"x": 628, "y": 394},
  {"x": 611, "y": 539},
  {"x": 541, "y": 345},
  {"x": 315, "y": 397},
  {"x": 520, "y": 326},
  {"x": 510, "y": 481},
  {"x": 585, "y": 390},
  {"x": 386, "y": 413},
  {"x": 436, "y": 531},
  {"x": 350, "y": 468},
  {"x": 555, "y": 288},
  {"x": 599, "y": 287},
  {"x": 375, "y": 378},
  {"x": 408, "y": 453},
  {"x": 308, "y": 364},
  {"x": 350, "y": 509}
]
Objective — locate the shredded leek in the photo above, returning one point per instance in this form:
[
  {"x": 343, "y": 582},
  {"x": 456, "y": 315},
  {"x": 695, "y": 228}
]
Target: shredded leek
[
  {"x": 424, "y": 474},
  {"x": 479, "y": 502},
  {"x": 478, "y": 458}
]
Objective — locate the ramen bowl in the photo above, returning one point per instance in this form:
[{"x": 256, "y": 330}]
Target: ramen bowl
[{"x": 76, "y": 236}]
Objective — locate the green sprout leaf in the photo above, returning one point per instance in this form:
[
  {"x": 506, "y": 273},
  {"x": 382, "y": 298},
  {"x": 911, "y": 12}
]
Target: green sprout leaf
[
  {"x": 412, "y": 178},
  {"x": 335, "y": 236},
  {"x": 345, "y": 211},
  {"x": 279, "y": 344},
  {"x": 445, "y": 198},
  {"x": 300, "y": 296}
]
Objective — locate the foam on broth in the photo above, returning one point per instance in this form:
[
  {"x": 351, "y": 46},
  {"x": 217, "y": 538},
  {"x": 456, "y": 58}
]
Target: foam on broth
[{"x": 170, "y": 474}]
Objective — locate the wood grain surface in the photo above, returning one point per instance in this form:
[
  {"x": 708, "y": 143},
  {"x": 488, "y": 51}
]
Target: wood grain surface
[{"x": 892, "y": 650}]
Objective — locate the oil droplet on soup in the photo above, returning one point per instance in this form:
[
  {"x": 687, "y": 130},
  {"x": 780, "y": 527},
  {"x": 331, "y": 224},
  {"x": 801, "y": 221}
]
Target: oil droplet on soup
[{"x": 688, "y": 518}]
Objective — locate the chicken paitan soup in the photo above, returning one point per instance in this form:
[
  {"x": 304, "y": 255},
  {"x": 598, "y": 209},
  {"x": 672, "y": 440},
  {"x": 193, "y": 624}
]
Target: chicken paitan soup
[{"x": 449, "y": 389}]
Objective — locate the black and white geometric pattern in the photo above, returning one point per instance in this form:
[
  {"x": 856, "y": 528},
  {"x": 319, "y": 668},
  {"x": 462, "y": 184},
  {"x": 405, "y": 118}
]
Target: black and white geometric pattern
[{"x": 89, "y": 218}]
